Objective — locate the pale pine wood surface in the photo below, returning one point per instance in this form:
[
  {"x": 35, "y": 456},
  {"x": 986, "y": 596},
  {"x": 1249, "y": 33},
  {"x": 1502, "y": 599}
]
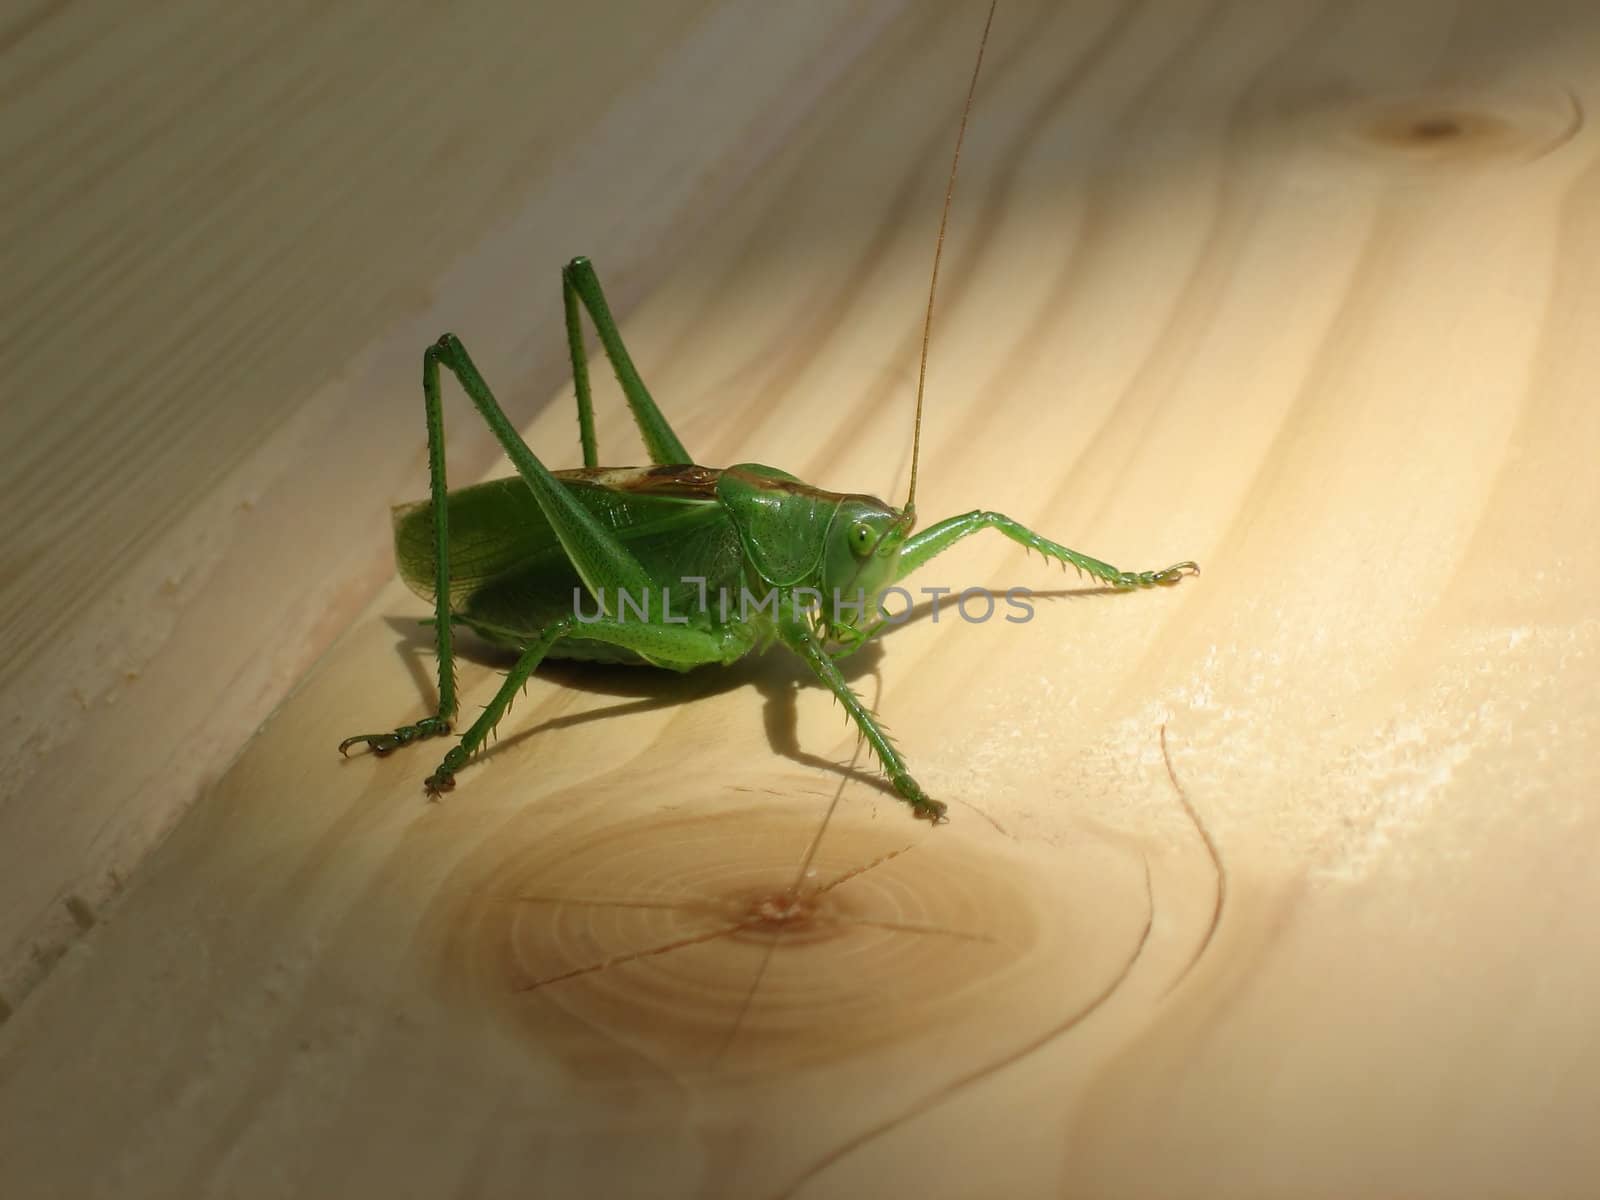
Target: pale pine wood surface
[
  {"x": 1276, "y": 883},
  {"x": 233, "y": 235}
]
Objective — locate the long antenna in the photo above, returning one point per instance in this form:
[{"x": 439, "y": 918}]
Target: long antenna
[{"x": 938, "y": 251}]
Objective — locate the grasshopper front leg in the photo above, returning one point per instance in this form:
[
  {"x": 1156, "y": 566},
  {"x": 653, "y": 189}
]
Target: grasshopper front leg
[{"x": 938, "y": 538}]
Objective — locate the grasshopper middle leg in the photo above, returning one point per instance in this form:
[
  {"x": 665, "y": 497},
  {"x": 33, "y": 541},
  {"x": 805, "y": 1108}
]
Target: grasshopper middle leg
[{"x": 804, "y": 643}]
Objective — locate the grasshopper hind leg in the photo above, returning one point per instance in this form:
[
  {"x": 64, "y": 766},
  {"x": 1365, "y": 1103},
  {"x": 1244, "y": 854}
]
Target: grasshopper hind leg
[
  {"x": 601, "y": 554},
  {"x": 443, "y": 718},
  {"x": 438, "y": 724},
  {"x": 671, "y": 646},
  {"x": 386, "y": 743}
]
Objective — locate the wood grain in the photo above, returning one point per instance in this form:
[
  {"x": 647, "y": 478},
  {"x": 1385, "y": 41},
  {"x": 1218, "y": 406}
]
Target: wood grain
[
  {"x": 1276, "y": 883},
  {"x": 235, "y": 233}
]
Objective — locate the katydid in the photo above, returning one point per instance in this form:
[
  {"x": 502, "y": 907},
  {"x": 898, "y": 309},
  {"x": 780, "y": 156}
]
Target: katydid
[{"x": 657, "y": 551}]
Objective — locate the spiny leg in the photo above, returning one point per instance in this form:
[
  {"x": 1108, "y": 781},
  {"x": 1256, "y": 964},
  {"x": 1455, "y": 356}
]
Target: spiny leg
[
  {"x": 441, "y": 721},
  {"x": 804, "y": 643},
  {"x": 579, "y": 281},
  {"x": 940, "y": 537},
  {"x": 669, "y": 646},
  {"x": 580, "y": 371},
  {"x": 444, "y": 778},
  {"x": 600, "y": 559}
]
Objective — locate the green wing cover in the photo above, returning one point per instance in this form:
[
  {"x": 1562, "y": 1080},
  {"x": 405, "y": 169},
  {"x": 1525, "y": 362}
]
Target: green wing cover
[{"x": 508, "y": 571}]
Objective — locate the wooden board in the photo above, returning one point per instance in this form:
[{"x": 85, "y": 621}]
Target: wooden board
[
  {"x": 1275, "y": 883},
  {"x": 216, "y": 342}
]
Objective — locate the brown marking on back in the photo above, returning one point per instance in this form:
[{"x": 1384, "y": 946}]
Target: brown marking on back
[
  {"x": 692, "y": 481},
  {"x": 685, "y": 479}
]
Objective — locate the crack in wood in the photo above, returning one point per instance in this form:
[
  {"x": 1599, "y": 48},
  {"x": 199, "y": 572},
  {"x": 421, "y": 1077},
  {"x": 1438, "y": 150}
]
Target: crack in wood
[
  {"x": 619, "y": 960},
  {"x": 1221, "y": 894},
  {"x": 1032, "y": 1046}
]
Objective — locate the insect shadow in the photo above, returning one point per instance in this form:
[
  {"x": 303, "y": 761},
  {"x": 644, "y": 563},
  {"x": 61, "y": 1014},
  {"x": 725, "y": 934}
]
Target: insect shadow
[{"x": 778, "y": 678}]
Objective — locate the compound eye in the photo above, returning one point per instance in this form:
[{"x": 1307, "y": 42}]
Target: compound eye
[{"x": 861, "y": 538}]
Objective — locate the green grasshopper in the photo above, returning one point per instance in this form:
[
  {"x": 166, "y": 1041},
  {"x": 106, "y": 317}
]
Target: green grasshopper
[{"x": 515, "y": 559}]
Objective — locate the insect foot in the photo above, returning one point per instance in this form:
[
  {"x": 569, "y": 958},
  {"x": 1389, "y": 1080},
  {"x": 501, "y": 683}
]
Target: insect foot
[
  {"x": 1163, "y": 578},
  {"x": 385, "y": 743},
  {"x": 923, "y": 806},
  {"x": 444, "y": 779},
  {"x": 1174, "y": 573}
]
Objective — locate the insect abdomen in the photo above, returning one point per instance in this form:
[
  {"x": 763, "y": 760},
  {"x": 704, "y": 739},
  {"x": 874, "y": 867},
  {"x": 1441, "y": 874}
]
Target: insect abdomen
[{"x": 510, "y": 577}]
